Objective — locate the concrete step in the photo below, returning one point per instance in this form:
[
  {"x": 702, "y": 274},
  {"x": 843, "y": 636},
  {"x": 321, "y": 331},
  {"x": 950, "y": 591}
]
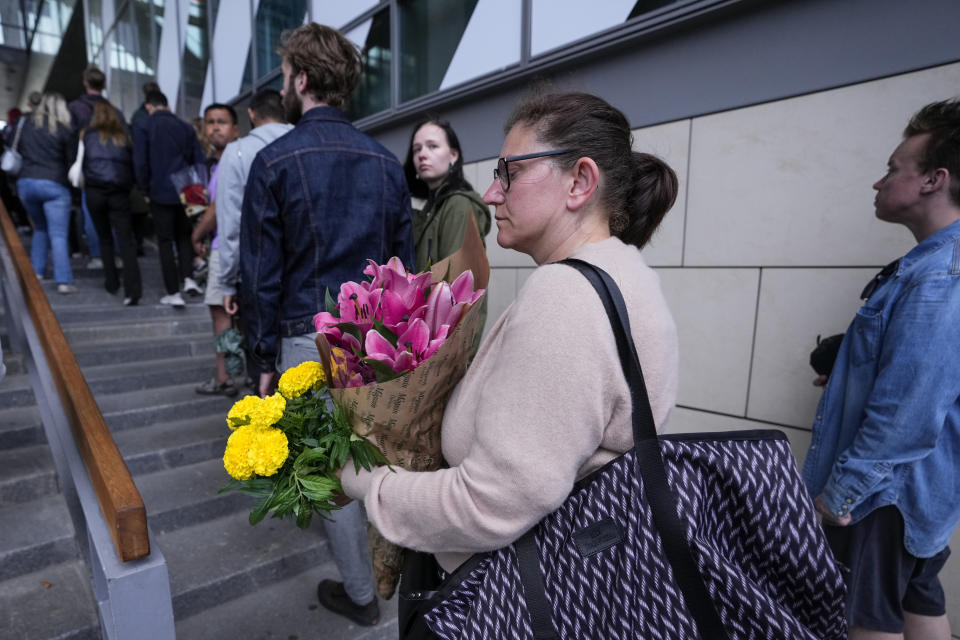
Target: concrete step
[
  {"x": 286, "y": 609},
  {"x": 154, "y": 406},
  {"x": 131, "y": 376},
  {"x": 68, "y": 314},
  {"x": 170, "y": 445},
  {"x": 36, "y": 535},
  {"x": 26, "y": 473},
  {"x": 21, "y": 426},
  {"x": 142, "y": 350},
  {"x": 188, "y": 496},
  {"x": 16, "y": 391},
  {"x": 120, "y": 328},
  {"x": 223, "y": 559},
  {"x": 14, "y": 362},
  {"x": 53, "y": 602}
]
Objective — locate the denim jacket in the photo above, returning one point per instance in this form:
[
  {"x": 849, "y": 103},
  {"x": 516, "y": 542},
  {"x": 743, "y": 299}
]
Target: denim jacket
[
  {"x": 319, "y": 202},
  {"x": 887, "y": 431}
]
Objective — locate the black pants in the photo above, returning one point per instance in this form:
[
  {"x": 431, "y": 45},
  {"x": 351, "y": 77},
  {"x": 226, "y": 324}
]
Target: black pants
[
  {"x": 110, "y": 210},
  {"x": 172, "y": 227}
]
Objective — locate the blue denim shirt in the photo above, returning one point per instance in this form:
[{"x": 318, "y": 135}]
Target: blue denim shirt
[
  {"x": 887, "y": 431},
  {"x": 319, "y": 202}
]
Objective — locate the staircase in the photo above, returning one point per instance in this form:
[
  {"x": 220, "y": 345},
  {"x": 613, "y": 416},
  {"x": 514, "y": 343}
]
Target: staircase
[{"x": 228, "y": 579}]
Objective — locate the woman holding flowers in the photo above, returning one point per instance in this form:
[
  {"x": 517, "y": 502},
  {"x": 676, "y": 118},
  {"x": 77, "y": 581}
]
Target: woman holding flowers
[{"x": 545, "y": 401}]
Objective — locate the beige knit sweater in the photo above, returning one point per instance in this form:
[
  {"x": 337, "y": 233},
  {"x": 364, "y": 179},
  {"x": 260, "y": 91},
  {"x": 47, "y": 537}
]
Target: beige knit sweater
[{"x": 544, "y": 403}]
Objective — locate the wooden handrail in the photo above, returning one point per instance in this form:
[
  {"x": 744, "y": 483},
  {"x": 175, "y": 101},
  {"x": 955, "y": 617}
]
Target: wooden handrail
[{"x": 118, "y": 496}]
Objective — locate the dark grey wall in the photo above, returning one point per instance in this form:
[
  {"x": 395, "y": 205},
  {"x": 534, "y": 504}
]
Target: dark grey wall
[{"x": 769, "y": 52}]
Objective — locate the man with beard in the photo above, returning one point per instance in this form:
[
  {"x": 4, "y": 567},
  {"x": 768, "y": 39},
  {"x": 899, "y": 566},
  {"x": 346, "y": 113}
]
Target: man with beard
[{"x": 320, "y": 201}]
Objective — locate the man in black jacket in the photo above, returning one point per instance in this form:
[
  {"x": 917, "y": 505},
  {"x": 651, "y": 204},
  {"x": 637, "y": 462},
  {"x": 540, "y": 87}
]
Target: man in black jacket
[
  {"x": 81, "y": 112},
  {"x": 164, "y": 145}
]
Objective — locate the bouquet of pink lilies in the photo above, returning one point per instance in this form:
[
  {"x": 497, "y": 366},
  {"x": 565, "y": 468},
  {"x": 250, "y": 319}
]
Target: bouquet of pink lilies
[
  {"x": 381, "y": 329},
  {"x": 393, "y": 349}
]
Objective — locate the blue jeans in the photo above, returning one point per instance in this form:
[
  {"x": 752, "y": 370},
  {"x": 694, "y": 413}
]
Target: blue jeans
[
  {"x": 48, "y": 205},
  {"x": 89, "y": 229},
  {"x": 347, "y": 533}
]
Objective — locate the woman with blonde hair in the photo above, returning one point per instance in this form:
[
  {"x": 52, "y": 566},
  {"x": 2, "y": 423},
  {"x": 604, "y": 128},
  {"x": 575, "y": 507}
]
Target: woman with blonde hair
[
  {"x": 48, "y": 146},
  {"x": 108, "y": 174}
]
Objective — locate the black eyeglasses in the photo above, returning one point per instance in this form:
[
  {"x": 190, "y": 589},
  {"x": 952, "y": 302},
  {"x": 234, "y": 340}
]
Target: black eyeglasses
[{"x": 501, "y": 173}]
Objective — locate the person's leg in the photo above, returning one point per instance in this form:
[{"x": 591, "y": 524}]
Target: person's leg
[
  {"x": 347, "y": 532},
  {"x": 30, "y": 197},
  {"x": 89, "y": 228},
  {"x": 98, "y": 207},
  {"x": 917, "y": 627},
  {"x": 57, "y": 211},
  {"x": 925, "y": 603},
  {"x": 183, "y": 230},
  {"x": 164, "y": 221},
  {"x": 213, "y": 297},
  {"x": 120, "y": 220}
]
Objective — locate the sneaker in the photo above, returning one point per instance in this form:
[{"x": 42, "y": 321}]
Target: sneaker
[
  {"x": 95, "y": 263},
  {"x": 174, "y": 300},
  {"x": 66, "y": 288},
  {"x": 190, "y": 286},
  {"x": 130, "y": 302},
  {"x": 333, "y": 597},
  {"x": 213, "y": 388}
]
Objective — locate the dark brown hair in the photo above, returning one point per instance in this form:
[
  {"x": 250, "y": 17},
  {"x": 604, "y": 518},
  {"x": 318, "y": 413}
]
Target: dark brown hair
[
  {"x": 106, "y": 122},
  {"x": 941, "y": 120},
  {"x": 454, "y": 181},
  {"x": 331, "y": 62},
  {"x": 94, "y": 78},
  {"x": 637, "y": 189}
]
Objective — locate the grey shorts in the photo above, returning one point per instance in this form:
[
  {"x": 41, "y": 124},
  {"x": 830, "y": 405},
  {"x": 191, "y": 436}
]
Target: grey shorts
[{"x": 213, "y": 295}]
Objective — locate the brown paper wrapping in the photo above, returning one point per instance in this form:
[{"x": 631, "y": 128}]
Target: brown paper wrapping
[{"x": 402, "y": 417}]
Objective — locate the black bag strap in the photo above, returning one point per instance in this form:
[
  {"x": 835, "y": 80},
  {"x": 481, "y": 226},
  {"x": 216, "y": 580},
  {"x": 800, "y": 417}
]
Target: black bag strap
[{"x": 650, "y": 466}]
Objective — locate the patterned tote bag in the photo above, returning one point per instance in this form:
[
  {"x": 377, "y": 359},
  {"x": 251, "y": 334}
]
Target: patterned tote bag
[{"x": 706, "y": 535}]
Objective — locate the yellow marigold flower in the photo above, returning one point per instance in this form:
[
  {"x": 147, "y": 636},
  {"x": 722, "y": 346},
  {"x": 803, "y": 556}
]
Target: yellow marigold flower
[
  {"x": 302, "y": 378},
  {"x": 242, "y": 409},
  {"x": 236, "y": 459},
  {"x": 269, "y": 451},
  {"x": 269, "y": 411}
]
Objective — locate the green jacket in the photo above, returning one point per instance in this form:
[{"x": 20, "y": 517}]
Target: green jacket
[
  {"x": 439, "y": 227},
  {"x": 438, "y": 232}
]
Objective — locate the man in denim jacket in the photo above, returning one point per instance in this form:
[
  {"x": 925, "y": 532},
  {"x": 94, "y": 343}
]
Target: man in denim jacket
[
  {"x": 320, "y": 201},
  {"x": 884, "y": 458}
]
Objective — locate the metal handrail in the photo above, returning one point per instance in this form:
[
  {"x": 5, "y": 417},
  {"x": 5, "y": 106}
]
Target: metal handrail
[{"x": 119, "y": 499}]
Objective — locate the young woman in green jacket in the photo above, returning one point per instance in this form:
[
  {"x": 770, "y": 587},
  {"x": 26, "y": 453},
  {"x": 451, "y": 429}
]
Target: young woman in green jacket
[{"x": 434, "y": 170}]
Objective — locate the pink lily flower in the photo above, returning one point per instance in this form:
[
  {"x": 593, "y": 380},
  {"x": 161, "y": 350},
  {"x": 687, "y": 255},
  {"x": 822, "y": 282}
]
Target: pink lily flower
[
  {"x": 462, "y": 288},
  {"x": 358, "y": 304},
  {"x": 442, "y": 308}
]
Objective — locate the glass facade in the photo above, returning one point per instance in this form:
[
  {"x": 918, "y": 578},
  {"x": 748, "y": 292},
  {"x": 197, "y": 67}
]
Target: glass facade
[
  {"x": 424, "y": 60},
  {"x": 196, "y": 56},
  {"x": 373, "y": 93},
  {"x": 199, "y": 55},
  {"x": 273, "y": 18}
]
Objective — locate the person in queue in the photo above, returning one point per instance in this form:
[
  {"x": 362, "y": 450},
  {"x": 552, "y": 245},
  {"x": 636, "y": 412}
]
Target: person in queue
[
  {"x": 434, "y": 171},
  {"x": 108, "y": 176},
  {"x": 48, "y": 145},
  {"x": 320, "y": 201},
  {"x": 567, "y": 185}
]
